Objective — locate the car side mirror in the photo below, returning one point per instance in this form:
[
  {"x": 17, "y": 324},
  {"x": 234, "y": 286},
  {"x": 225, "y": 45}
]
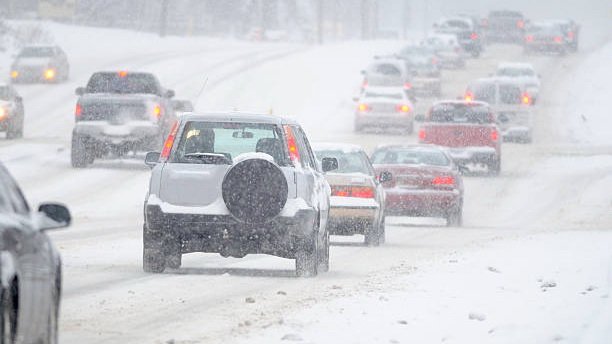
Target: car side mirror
[
  {"x": 54, "y": 215},
  {"x": 152, "y": 158},
  {"x": 18, "y": 99},
  {"x": 169, "y": 93},
  {"x": 419, "y": 118},
  {"x": 329, "y": 164},
  {"x": 79, "y": 91},
  {"x": 385, "y": 176}
]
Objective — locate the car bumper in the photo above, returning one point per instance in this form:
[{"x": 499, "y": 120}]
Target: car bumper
[
  {"x": 546, "y": 47},
  {"x": 349, "y": 215},
  {"x": 411, "y": 202},
  {"x": 103, "y": 132},
  {"x": 466, "y": 155},
  {"x": 383, "y": 120},
  {"x": 516, "y": 133}
]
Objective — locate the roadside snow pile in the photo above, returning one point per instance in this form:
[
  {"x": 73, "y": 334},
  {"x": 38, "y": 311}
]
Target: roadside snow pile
[
  {"x": 541, "y": 289},
  {"x": 588, "y": 99}
]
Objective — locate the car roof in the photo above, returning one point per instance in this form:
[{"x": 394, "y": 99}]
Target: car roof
[
  {"x": 517, "y": 65},
  {"x": 344, "y": 147},
  {"x": 235, "y": 116}
]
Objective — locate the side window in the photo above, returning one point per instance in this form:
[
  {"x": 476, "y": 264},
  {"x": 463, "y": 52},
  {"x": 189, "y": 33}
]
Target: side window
[{"x": 308, "y": 157}]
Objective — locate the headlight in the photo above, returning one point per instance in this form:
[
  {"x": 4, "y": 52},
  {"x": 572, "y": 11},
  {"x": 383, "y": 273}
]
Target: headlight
[
  {"x": 14, "y": 74},
  {"x": 49, "y": 73}
]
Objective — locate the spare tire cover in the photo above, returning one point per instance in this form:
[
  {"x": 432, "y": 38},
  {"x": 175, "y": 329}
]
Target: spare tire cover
[{"x": 255, "y": 190}]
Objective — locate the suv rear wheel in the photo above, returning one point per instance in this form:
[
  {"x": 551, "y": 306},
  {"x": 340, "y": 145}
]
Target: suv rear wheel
[
  {"x": 324, "y": 254},
  {"x": 153, "y": 257},
  {"x": 372, "y": 234},
  {"x": 81, "y": 154},
  {"x": 14, "y": 130}
]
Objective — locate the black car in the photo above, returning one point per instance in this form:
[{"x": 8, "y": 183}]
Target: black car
[
  {"x": 505, "y": 27},
  {"x": 40, "y": 63},
  {"x": 30, "y": 267},
  {"x": 11, "y": 112},
  {"x": 120, "y": 112}
]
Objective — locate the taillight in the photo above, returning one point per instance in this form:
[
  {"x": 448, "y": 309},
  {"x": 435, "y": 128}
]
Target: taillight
[
  {"x": 494, "y": 135},
  {"x": 526, "y": 99},
  {"x": 529, "y": 38},
  {"x": 443, "y": 180},
  {"x": 157, "y": 111},
  {"x": 402, "y": 108},
  {"x": 122, "y": 74},
  {"x": 49, "y": 74},
  {"x": 352, "y": 191},
  {"x": 422, "y": 134},
  {"x": 469, "y": 96},
  {"x": 434, "y": 61},
  {"x": 165, "y": 154},
  {"x": 78, "y": 110},
  {"x": 365, "y": 83},
  {"x": 363, "y": 107},
  {"x": 407, "y": 86},
  {"x": 294, "y": 153},
  {"x": 558, "y": 39},
  {"x": 570, "y": 35},
  {"x": 520, "y": 24},
  {"x": 474, "y": 36},
  {"x": 14, "y": 74}
]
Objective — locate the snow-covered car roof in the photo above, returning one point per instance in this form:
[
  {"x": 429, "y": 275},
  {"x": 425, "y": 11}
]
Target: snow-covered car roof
[
  {"x": 238, "y": 117},
  {"x": 335, "y": 146}
]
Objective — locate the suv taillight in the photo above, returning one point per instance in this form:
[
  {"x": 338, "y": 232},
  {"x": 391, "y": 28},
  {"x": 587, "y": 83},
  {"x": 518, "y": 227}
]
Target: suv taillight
[
  {"x": 165, "y": 154},
  {"x": 402, "y": 108},
  {"x": 494, "y": 135},
  {"x": 294, "y": 153},
  {"x": 78, "y": 111},
  {"x": 443, "y": 181},
  {"x": 157, "y": 111},
  {"x": 422, "y": 135}
]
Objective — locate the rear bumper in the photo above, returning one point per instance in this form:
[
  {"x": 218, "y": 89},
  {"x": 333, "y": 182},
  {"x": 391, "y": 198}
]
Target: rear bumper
[
  {"x": 351, "y": 215},
  {"x": 466, "y": 155},
  {"x": 408, "y": 202},
  {"x": 516, "y": 133},
  {"x": 546, "y": 47},
  {"x": 383, "y": 120},
  {"x": 106, "y": 133}
]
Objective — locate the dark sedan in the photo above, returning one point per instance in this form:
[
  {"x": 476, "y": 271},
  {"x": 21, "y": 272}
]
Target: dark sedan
[
  {"x": 425, "y": 182},
  {"x": 30, "y": 267}
]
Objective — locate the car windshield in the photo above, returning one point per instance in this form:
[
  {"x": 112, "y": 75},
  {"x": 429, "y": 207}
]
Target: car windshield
[
  {"x": 124, "y": 83},
  {"x": 410, "y": 156},
  {"x": 515, "y": 72},
  {"x": 460, "y": 113},
  {"x": 36, "y": 52},
  {"x": 229, "y": 140},
  {"x": 348, "y": 162},
  {"x": 387, "y": 69}
]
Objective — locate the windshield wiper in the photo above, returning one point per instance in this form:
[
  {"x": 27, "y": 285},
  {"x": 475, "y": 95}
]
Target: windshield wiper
[{"x": 210, "y": 158}]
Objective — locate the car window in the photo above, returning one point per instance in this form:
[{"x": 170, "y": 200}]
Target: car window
[
  {"x": 122, "y": 82},
  {"x": 37, "y": 52},
  {"x": 386, "y": 69},
  {"x": 460, "y": 113},
  {"x": 229, "y": 140},
  {"x": 509, "y": 94},
  {"x": 416, "y": 156},
  {"x": 348, "y": 162}
]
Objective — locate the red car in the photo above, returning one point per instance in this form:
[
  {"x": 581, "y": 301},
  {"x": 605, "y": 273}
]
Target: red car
[
  {"x": 424, "y": 181},
  {"x": 468, "y": 128}
]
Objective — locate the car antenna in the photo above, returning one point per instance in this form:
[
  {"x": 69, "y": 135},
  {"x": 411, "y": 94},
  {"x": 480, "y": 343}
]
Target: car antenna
[{"x": 195, "y": 102}]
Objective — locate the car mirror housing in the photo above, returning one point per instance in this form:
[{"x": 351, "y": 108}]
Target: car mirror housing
[
  {"x": 385, "y": 176},
  {"x": 53, "y": 215},
  {"x": 152, "y": 158},
  {"x": 169, "y": 94},
  {"x": 79, "y": 91},
  {"x": 329, "y": 164}
]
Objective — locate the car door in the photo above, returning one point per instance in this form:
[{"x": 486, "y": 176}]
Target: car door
[{"x": 33, "y": 253}]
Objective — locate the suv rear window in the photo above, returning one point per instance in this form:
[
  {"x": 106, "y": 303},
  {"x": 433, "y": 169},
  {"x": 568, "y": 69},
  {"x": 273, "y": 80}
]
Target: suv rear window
[
  {"x": 125, "y": 83},
  {"x": 229, "y": 140},
  {"x": 410, "y": 156},
  {"x": 460, "y": 113}
]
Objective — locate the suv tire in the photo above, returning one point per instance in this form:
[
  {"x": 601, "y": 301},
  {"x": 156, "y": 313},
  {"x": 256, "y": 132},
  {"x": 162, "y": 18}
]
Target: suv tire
[
  {"x": 307, "y": 256},
  {"x": 324, "y": 254},
  {"x": 15, "y": 130},
  {"x": 80, "y": 154},
  {"x": 495, "y": 167},
  {"x": 372, "y": 235},
  {"x": 173, "y": 254},
  {"x": 153, "y": 257},
  {"x": 455, "y": 218}
]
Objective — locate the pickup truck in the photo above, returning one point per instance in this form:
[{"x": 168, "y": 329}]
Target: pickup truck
[
  {"x": 468, "y": 129},
  {"x": 120, "y": 112}
]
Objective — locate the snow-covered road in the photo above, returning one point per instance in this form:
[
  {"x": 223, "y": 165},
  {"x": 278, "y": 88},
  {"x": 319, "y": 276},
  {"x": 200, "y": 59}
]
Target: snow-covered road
[{"x": 547, "y": 218}]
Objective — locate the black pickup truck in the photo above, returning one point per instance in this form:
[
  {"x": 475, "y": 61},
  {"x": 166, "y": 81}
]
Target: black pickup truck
[{"x": 120, "y": 112}]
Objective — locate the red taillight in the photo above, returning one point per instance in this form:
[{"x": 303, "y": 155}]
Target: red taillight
[
  {"x": 353, "y": 191},
  {"x": 529, "y": 38},
  {"x": 443, "y": 180},
  {"x": 484, "y": 22},
  {"x": 365, "y": 83},
  {"x": 122, "y": 74},
  {"x": 468, "y": 97},
  {"x": 165, "y": 154},
  {"x": 494, "y": 135},
  {"x": 78, "y": 110},
  {"x": 402, "y": 108},
  {"x": 363, "y": 107},
  {"x": 422, "y": 134},
  {"x": 407, "y": 86},
  {"x": 520, "y": 24},
  {"x": 526, "y": 99},
  {"x": 558, "y": 39},
  {"x": 294, "y": 153},
  {"x": 474, "y": 36},
  {"x": 570, "y": 35},
  {"x": 434, "y": 61}
]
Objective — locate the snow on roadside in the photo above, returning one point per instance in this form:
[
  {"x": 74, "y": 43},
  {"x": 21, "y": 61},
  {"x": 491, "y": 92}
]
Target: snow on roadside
[{"x": 538, "y": 289}]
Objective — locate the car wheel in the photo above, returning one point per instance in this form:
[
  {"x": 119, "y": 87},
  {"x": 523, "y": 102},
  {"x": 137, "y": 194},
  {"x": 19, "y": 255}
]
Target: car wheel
[
  {"x": 455, "y": 218},
  {"x": 8, "y": 319},
  {"x": 52, "y": 321},
  {"x": 153, "y": 257},
  {"x": 372, "y": 235},
  {"x": 173, "y": 254},
  {"x": 324, "y": 254},
  {"x": 475, "y": 53},
  {"x": 14, "y": 130},
  {"x": 495, "y": 167},
  {"x": 80, "y": 154},
  {"x": 382, "y": 236},
  {"x": 307, "y": 256}
]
